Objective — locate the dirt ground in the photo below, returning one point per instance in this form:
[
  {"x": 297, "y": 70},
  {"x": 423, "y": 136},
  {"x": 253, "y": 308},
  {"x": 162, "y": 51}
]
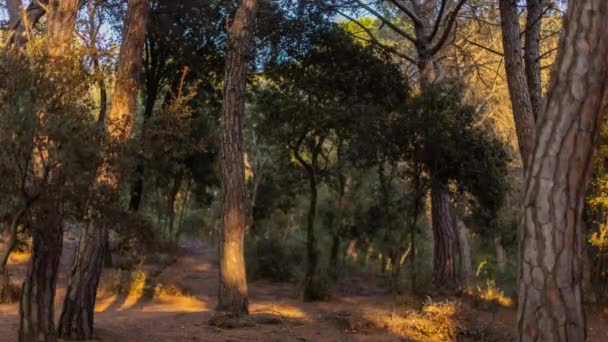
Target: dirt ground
[{"x": 364, "y": 315}]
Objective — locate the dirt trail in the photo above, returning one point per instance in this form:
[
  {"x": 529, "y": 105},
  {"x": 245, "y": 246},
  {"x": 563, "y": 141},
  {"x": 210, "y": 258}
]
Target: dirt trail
[{"x": 369, "y": 317}]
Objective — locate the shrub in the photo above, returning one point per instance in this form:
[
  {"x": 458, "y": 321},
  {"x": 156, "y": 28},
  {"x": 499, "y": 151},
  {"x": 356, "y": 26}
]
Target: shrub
[{"x": 273, "y": 258}]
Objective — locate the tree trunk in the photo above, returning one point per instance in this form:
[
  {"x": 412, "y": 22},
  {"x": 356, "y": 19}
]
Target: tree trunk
[
  {"x": 60, "y": 25},
  {"x": 444, "y": 275},
  {"x": 532, "y": 53},
  {"x": 77, "y": 321},
  {"x": 177, "y": 184},
  {"x": 14, "y": 8},
  {"x": 233, "y": 299},
  {"x": 311, "y": 290},
  {"x": 466, "y": 268},
  {"x": 8, "y": 238},
  {"x": 516, "y": 79},
  {"x": 333, "y": 256},
  {"x": 78, "y": 309},
  {"x": 550, "y": 296},
  {"x": 36, "y": 310},
  {"x": 501, "y": 254},
  {"x": 20, "y": 28}
]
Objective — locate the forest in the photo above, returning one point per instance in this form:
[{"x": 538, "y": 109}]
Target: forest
[{"x": 303, "y": 170}]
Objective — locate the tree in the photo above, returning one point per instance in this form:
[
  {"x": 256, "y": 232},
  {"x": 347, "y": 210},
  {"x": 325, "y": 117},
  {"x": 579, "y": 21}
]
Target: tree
[
  {"x": 77, "y": 316},
  {"x": 432, "y": 23},
  {"x": 550, "y": 295},
  {"x": 233, "y": 298},
  {"x": 36, "y": 310},
  {"x": 309, "y": 111}
]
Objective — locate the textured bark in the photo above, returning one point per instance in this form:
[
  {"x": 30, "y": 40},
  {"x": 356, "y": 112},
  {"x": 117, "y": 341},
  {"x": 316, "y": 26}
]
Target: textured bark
[
  {"x": 532, "y": 53},
  {"x": 444, "y": 249},
  {"x": 36, "y": 310},
  {"x": 60, "y": 25},
  {"x": 77, "y": 320},
  {"x": 77, "y": 316},
  {"x": 233, "y": 279},
  {"x": 516, "y": 79},
  {"x": 550, "y": 296}
]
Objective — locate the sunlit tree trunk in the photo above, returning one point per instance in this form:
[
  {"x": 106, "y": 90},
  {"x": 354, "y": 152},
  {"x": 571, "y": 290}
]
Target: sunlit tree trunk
[
  {"x": 77, "y": 317},
  {"x": 550, "y": 296},
  {"x": 233, "y": 298}
]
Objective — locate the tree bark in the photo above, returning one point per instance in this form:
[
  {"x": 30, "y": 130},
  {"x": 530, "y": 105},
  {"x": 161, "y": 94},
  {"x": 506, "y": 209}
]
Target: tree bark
[
  {"x": 8, "y": 238},
  {"x": 532, "y": 53},
  {"x": 550, "y": 296},
  {"x": 37, "y": 310},
  {"x": 77, "y": 319},
  {"x": 466, "y": 268},
  {"x": 233, "y": 297},
  {"x": 14, "y": 8},
  {"x": 60, "y": 25},
  {"x": 501, "y": 254},
  {"x": 516, "y": 79},
  {"x": 22, "y": 24},
  {"x": 444, "y": 274},
  {"x": 311, "y": 283},
  {"x": 77, "y": 316}
]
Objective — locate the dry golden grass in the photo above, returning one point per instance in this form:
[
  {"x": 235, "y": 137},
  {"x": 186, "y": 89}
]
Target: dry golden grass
[
  {"x": 491, "y": 293},
  {"x": 19, "y": 257},
  {"x": 435, "y": 321}
]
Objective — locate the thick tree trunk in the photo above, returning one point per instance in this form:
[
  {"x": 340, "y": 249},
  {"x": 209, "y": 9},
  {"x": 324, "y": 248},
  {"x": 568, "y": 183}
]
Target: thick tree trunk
[
  {"x": 77, "y": 320},
  {"x": 60, "y": 25},
  {"x": 444, "y": 249},
  {"x": 36, "y": 311},
  {"x": 311, "y": 284},
  {"x": 78, "y": 309},
  {"x": 233, "y": 299},
  {"x": 516, "y": 79},
  {"x": 550, "y": 296}
]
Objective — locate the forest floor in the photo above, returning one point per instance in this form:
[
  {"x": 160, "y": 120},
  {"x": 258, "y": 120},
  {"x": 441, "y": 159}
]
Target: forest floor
[{"x": 360, "y": 312}]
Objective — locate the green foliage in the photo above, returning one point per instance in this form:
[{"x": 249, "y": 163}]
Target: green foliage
[{"x": 270, "y": 257}]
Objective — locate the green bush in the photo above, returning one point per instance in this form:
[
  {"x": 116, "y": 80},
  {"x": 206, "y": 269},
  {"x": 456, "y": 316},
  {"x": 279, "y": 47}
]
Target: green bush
[{"x": 272, "y": 258}]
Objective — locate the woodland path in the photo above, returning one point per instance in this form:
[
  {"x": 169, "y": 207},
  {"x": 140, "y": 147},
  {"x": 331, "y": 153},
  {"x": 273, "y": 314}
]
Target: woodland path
[{"x": 365, "y": 315}]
